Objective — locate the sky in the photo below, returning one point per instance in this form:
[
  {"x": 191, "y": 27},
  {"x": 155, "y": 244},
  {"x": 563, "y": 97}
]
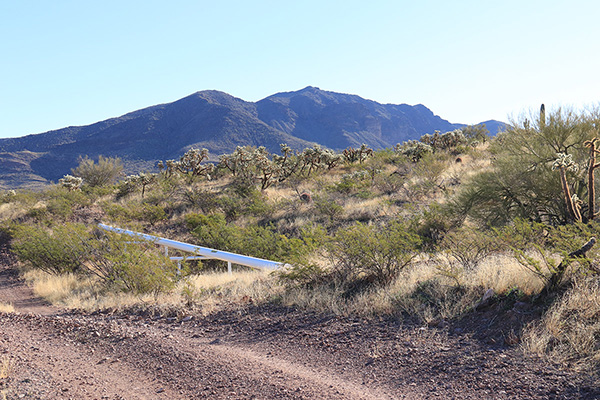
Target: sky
[{"x": 66, "y": 63}]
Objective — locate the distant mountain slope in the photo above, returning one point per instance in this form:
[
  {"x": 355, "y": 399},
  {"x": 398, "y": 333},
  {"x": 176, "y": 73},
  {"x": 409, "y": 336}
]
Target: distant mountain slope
[
  {"x": 210, "y": 119},
  {"x": 218, "y": 122},
  {"x": 340, "y": 120}
]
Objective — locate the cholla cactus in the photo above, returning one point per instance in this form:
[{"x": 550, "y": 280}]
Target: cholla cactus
[
  {"x": 413, "y": 150},
  {"x": 191, "y": 163},
  {"x": 71, "y": 182},
  {"x": 239, "y": 162},
  {"x": 316, "y": 157},
  {"x": 564, "y": 162},
  {"x": 143, "y": 179},
  {"x": 444, "y": 141},
  {"x": 7, "y": 196},
  {"x": 352, "y": 155}
]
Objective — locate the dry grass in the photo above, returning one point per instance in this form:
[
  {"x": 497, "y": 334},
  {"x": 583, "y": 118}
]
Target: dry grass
[
  {"x": 207, "y": 292},
  {"x": 570, "y": 329},
  {"x": 11, "y": 211},
  {"x": 5, "y": 367},
  {"x": 7, "y": 308}
]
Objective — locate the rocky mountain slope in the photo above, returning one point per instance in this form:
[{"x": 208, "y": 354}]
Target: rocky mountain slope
[{"x": 218, "y": 122}]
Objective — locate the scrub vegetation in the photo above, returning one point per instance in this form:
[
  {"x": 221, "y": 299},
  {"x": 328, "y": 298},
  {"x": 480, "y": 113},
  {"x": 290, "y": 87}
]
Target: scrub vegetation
[{"x": 422, "y": 230}]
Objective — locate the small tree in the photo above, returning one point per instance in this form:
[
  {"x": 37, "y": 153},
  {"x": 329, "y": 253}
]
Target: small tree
[
  {"x": 103, "y": 173},
  {"x": 521, "y": 181}
]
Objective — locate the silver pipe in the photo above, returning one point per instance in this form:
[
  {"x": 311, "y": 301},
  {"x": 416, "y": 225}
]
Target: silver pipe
[{"x": 239, "y": 259}]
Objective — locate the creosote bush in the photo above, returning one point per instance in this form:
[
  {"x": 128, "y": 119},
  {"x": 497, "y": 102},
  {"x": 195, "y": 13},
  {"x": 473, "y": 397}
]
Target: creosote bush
[
  {"x": 117, "y": 262},
  {"x": 104, "y": 172},
  {"x": 257, "y": 241},
  {"x": 367, "y": 255}
]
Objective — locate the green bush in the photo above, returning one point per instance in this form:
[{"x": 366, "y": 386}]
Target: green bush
[
  {"x": 117, "y": 261},
  {"x": 215, "y": 232},
  {"x": 521, "y": 182},
  {"x": 469, "y": 247},
  {"x": 139, "y": 268},
  {"x": 55, "y": 251},
  {"x": 105, "y": 172},
  {"x": 328, "y": 208},
  {"x": 371, "y": 254}
]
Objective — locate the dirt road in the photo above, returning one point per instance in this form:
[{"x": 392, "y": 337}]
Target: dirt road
[{"x": 266, "y": 352}]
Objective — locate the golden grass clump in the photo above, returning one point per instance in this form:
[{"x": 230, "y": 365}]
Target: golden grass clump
[
  {"x": 569, "y": 330},
  {"x": 5, "y": 367},
  {"x": 6, "y": 307}
]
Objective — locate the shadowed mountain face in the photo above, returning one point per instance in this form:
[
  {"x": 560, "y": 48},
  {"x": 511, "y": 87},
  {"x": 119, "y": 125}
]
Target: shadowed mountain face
[
  {"x": 341, "y": 120},
  {"x": 218, "y": 122}
]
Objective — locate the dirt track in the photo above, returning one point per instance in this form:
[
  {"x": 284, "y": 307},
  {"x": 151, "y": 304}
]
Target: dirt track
[{"x": 266, "y": 352}]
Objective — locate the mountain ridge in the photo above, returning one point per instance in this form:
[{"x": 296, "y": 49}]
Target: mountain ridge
[{"x": 219, "y": 122}]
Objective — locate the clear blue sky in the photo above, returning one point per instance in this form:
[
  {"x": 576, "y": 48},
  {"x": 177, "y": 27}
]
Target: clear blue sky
[{"x": 78, "y": 62}]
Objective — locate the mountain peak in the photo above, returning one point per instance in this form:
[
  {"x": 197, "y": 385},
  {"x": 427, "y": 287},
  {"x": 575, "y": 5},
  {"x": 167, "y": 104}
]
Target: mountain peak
[{"x": 220, "y": 122}]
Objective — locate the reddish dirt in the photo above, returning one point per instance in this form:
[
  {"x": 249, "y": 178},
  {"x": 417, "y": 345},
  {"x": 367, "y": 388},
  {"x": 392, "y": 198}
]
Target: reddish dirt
[{"x": 258, "y": 352}]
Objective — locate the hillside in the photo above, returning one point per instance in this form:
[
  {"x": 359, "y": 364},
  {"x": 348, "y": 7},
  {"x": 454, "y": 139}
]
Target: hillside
[
  {"x": 393, "y": 281},
  {"x": 219, "y": 122}
]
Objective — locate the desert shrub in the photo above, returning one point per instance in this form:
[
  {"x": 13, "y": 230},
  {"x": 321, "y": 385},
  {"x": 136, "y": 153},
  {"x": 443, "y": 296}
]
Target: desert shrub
[
  {"x": 389, "y": 184},
  {"x": 303, "y": 271},
  {"x": 105, "y": 172},
  {"x": 432, "y": 225},
  {"x": 257, "y": 204},
  {"x": 215, "y": 232},
  {"x": 461, "y": 251},
  {"x": 476, "y": 133},
  {"x": 200, "y": 198},
  {"x": 121, "y": 264},
  {"x": 544, "y": 250},
  {"x": 353, "y": 181},
  {"x": 119, "y": 213},
  {"x": 55, "y": 251},
  {"x": 116, "y": 260},
  {"x": 469, "y": 246},
  {"x": 135, "y": 211},
  {"x": 372, "y": 255},
  {"x": 152, "y": 214},
  {"x": 425, "y": 176},
  {"x": 328, "y": 208}
]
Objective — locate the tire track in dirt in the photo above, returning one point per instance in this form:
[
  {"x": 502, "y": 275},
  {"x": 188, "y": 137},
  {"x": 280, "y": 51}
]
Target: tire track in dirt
[
  {"x": 87, "y": 359},
  {"x": 70, "y": 370},
  {"x": 257, "y": 352}
]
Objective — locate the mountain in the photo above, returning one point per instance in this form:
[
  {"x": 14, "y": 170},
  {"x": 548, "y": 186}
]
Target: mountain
[
  {"x": 340, "y": 120},
  {"x": 218, "y": 122}
]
